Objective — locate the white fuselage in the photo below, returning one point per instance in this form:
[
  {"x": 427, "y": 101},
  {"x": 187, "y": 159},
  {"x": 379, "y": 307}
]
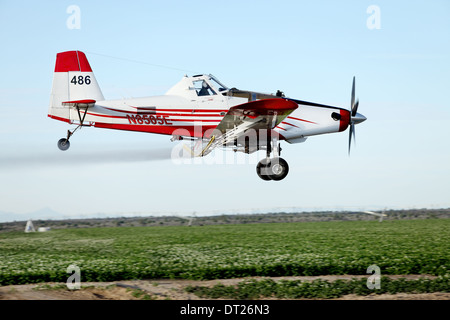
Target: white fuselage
[{"x": 181, "y": 108}]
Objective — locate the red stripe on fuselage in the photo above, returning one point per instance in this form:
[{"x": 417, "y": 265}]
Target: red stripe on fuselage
[
  {"x": 193, "y": 131},
  {"x": 194, "y": 120},
  {"x": 170, "y": 119},
  {"x": 58, "y": 118},
  {"x": 170, "y": 112},
  {"x": 284, "y": 122},
  {"x": 105, "y": 115},
  {"x": 290, "y": 117},
  {"x": 182, "y": 110}
]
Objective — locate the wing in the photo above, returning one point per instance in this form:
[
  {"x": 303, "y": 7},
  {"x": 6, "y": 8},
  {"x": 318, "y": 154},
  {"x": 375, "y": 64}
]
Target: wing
[{"x": 258, "y": 115}]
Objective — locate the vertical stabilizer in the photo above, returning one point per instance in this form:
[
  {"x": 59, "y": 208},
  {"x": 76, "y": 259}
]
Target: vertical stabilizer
[{"x": 73, "y": 80}]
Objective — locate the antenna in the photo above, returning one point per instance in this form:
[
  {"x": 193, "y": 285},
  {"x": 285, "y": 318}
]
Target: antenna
[{"x": 142, "y": 62}]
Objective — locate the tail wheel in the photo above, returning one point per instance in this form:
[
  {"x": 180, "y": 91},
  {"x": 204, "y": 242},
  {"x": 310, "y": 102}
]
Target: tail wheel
[{"x": 63, "y": 144}]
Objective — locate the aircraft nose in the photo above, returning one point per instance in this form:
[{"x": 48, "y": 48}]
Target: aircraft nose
[{"x": 358, "y": 118}]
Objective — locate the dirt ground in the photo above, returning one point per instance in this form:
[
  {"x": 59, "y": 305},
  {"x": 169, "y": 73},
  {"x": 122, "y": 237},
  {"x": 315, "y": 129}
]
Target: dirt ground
[{"x": 171, "y": 290}]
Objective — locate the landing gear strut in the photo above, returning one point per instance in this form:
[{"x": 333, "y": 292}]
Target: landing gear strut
[
  {"x": 275, "y": 168},
  {"x": 63, "y": 143}
]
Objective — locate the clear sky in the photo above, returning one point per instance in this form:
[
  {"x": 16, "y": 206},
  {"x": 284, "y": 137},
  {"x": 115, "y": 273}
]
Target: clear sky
[{"x": 399, "y": 53}]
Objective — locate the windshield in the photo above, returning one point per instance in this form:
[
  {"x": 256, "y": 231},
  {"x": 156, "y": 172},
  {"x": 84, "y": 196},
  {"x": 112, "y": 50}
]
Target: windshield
[{"x": 216, "y": 83}]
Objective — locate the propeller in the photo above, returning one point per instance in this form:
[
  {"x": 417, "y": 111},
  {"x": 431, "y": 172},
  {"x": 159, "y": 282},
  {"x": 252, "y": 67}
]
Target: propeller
[{"x": 355, "y": 117}]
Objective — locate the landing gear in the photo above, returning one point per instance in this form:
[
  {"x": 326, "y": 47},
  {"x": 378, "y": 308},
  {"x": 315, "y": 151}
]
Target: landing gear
[
  {"x": 272, "y": 169},
  {"x": 63, "y": 144},
  {"x": 275, "y": 168},
  {"x": 263, "y": 169}
]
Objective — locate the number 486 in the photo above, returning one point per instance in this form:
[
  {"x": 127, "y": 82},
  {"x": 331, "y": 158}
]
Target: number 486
[{"x": 81, "y": 80}]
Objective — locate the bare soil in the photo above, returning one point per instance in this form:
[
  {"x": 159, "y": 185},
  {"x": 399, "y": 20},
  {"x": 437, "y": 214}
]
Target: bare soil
[{"x": 174, "y": 290}]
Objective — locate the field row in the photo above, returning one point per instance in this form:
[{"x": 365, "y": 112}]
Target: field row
[
  {"x": 228, "y": 251},
  {"x": 323, "y": 289}
]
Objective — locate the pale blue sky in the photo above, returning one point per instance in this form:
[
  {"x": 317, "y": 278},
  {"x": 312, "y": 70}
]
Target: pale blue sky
[{"x": 309, "y": 50}]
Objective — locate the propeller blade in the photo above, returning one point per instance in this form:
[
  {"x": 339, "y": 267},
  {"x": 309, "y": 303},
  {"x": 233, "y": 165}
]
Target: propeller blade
[
  {"x": 355, "y": 117},
  {"x": 354, "y": 134},
  {"x": 355, "y": 108},
  {"x": 353, "y": 95},
  {"x": 351, "y": 132},
  {"x": 350, "y": 136}
]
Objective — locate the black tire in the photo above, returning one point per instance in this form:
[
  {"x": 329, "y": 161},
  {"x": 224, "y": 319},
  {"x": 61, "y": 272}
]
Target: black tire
[
  {"x": 279, "y": 169},
  {"x": 63, "y": 144},
  {"x": 262, "y": 169}
]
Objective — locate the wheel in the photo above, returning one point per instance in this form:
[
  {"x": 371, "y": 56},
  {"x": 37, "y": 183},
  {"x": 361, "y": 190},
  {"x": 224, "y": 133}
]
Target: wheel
[
  {"x": 279, "y": 169},
  {"x": 262, "y": 169},
  {"x": 63, "y": 144}
]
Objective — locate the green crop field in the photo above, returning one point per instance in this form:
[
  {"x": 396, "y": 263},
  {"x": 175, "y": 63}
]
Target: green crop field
[{"x": 227, "y": 251}]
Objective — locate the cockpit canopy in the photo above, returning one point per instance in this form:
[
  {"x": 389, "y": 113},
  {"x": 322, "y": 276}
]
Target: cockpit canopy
[
  {"x": 197, "y": 86},
  {"x": 207, "y": 85}
]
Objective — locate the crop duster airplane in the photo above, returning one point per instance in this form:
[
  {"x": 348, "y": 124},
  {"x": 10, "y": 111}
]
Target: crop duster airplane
[{"x": 198, "y": 108}]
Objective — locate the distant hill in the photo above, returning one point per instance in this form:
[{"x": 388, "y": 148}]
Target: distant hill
[{"x": 44, "y": 213}]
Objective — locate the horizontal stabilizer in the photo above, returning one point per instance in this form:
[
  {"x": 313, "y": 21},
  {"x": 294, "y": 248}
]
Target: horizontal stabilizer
[{"x": 79, "y": 103}]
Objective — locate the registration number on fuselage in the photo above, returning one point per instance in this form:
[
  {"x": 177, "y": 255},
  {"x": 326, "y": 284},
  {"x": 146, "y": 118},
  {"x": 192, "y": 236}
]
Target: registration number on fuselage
[{"x": 148, "y": 119}]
